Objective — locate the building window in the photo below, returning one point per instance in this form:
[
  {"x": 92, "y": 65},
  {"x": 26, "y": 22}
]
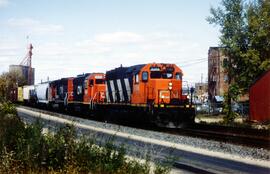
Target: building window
[
  {"x": 225, "y": 78},
  {"x": 225, "y": 62}
]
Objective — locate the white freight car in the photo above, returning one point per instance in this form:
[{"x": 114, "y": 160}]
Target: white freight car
[
  {"x": 27, "y": 91},
  {"x": 42, "y": 93}
]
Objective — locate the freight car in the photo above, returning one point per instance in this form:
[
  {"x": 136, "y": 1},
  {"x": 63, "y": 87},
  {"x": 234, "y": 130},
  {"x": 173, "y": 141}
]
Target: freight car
[
  {"x": 20, "y": 94},
  {"x": 40, "y": 94},
  {"x": 149, "y": 92},
  {"x": 28, "y": 93}
]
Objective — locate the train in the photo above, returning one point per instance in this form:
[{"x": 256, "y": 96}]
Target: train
[{"x": 146, "y": 93}]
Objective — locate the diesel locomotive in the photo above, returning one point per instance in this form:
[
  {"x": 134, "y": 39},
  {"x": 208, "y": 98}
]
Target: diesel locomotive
[{"x": 146, "y": 92}]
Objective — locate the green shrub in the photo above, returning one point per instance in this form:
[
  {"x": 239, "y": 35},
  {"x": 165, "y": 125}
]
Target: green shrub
[
  {"x": 25, "y": 149},
  {"x": 7, "y": 108}
]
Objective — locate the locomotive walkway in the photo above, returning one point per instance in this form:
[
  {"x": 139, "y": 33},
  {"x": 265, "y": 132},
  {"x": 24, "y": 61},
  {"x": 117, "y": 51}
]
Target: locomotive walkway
[{"x": 188, "y": 158}]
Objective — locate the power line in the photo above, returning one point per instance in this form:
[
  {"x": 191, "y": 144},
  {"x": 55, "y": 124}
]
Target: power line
[
  {"x": 193, "y": 60},
  {"x": 192, "y": 63}
]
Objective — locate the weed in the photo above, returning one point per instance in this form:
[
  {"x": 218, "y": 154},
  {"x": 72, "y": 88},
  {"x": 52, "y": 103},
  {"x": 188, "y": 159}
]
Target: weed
[{"x": 25, "y": 149}]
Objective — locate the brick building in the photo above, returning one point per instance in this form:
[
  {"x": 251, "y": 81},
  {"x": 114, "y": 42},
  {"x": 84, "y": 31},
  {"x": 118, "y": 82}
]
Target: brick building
[{"x": 217, "y": 75}]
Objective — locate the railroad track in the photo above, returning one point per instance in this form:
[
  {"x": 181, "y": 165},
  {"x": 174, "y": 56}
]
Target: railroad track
[
  {"x": 234, "y": 135},
  {"x": 245, "y": 137}
]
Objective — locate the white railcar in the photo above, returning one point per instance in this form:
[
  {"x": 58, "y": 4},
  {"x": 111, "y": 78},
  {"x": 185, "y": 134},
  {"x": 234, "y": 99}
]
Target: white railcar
[
  {"x": 42, "y": 93},
  {"x": 27, "y": 91}
]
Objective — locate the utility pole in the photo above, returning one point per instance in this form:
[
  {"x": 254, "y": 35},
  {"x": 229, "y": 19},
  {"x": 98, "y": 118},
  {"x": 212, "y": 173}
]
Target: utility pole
[{"x": 229, "y": 84}]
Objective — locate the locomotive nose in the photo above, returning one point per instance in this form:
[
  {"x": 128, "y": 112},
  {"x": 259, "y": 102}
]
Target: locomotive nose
[{"x": 164, "y": 96}]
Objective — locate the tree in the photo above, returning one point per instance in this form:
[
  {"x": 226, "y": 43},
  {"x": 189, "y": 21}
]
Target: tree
[
  {"x": 10, "y": 81},
  {"x": 257, "y": 56},
  {"x": 245, "y": 37}
]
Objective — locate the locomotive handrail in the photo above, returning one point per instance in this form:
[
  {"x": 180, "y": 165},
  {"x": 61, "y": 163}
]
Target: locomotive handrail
[{"x": 91, "y": 101}]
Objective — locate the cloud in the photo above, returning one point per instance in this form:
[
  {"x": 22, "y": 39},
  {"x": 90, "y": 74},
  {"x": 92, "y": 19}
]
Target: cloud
[
  {"x": 105, "y": 51},
  {"x": 119, "y": 38},
  {"x": 3, "y": 3},
  {"x": 91, "y": 47},
  {"x": 34, "y": 26},
  {"x": 52, "y": 49}
]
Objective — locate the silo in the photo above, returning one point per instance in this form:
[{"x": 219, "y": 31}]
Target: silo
[{"x": 24, "y": 71}]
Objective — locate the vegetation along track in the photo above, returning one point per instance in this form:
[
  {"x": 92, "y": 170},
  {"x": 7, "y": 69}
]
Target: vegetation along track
[{"x": 227, "y": 134}]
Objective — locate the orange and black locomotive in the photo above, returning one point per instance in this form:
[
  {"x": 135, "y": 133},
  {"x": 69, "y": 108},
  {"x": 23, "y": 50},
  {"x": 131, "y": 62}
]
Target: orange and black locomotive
[{"x": 149, "y": 92}]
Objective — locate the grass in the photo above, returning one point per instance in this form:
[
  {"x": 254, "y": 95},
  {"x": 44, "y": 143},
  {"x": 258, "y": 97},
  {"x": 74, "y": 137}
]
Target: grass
[
  {"x": 238, "y": 122},
  {"x": 25, "y": 149}
]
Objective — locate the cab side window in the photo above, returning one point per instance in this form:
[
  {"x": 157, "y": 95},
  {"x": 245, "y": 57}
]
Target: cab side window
[
  {"x": 61, "y": 90},
  {"x": 85, "y": 84},
  {"x": 178, "y": 76},
  {"x": 91, "y": 83},
  {"x": 137, "y": 78},
  {"x": 145, "y": 76},
  {"x": 79, "y": 90}
]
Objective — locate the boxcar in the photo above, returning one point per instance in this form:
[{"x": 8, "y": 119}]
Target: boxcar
[
  {"x": 26, "y": 93},
  {"x": 20, "y": 94}
]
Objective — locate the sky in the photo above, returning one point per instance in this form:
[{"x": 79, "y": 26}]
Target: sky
[{"x": 72, "y": 37}]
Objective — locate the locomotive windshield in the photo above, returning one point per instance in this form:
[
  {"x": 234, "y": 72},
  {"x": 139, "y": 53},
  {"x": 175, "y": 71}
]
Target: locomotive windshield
[
  {"x": 167, "y": 75},
  {"x": 100, "y": 81},
  {"x": 161, "y": 75}
]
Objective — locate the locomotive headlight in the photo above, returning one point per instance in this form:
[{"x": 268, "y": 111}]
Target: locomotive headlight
[{"x": 170, "y": 86}]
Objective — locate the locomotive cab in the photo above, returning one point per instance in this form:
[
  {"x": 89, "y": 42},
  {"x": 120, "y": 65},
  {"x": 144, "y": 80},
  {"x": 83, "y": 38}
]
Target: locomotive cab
[
  {"x": 158, "y": 84},
  {"x": 94, "y": 88},
  {"x": 159, "y": 88},
  {"x": 150, "y": 92}
]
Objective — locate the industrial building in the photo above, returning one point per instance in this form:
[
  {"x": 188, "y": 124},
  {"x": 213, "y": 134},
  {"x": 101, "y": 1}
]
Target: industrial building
[
  {"x": 24, "y": 71},
  {"x": 217, "y": 75}
]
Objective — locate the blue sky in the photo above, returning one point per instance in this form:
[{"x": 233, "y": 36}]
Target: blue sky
[{"x": 73, "y": 37}]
